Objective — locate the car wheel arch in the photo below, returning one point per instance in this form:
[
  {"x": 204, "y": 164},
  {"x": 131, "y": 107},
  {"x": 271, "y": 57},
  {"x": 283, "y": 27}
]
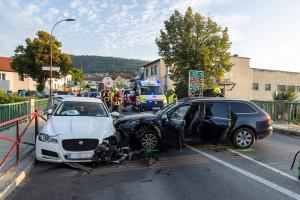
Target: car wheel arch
[
  {"x": 244, "y": 126},
  {"x": 150, "y": 126}
]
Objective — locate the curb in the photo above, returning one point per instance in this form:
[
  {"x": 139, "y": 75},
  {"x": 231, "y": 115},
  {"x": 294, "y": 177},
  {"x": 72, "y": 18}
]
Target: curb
[
  {"x": 22, "y": 174},
  {"x": 286, "y": 132}
]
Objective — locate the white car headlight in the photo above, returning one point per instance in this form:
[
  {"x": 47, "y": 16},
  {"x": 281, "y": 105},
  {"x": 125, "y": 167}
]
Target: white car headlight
[
  {"x": 165, "y": 102},
  {"x": 46, "y": 138}
]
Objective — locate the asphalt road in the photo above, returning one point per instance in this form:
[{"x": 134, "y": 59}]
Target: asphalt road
[{"x": 198, "y": 172}]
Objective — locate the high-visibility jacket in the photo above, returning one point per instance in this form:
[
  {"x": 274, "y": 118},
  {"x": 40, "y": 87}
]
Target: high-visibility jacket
[
  {"x": 172, "y": 98},
  {"x": 117, "y": 99}
]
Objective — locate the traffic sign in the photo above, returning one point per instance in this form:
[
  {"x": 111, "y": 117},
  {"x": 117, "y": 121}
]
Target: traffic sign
[
  {"x": 47, "y": 68},
  {"x": 196, "y": 82}
]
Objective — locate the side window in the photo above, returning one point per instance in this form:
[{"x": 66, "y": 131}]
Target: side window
[
  {"x": 217, "y": 109},
  {"x": 179, "y": 112},
  {"x": 238, "y": 107}
]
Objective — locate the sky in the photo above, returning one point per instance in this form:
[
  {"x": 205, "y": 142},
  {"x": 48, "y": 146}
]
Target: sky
[{"x": 267, "y": 31}]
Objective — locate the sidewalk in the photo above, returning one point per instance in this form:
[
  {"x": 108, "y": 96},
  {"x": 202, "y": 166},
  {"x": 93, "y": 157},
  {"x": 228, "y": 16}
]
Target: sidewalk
[{"x": 286, "y": 128}]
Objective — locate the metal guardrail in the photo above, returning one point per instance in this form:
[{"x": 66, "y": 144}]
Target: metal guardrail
[
  {"x": 268, "y": 106},
  {"x": 289, "y": 111},
  {"x": 41, "y": 105},
  {"x": 6, "y": 166},
  {"x": 12, "y": 111}
]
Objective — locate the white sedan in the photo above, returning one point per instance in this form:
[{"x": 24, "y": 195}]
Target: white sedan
[{"x": 74, "y": 130}]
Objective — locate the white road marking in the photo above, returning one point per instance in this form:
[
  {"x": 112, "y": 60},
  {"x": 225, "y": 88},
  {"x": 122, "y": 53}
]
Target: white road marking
[
  {"x": 248, "y": 174},
  {"x": 265, "y": 165}
]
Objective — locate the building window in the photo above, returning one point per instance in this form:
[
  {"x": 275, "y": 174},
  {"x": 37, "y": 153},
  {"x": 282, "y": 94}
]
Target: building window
[
  {"x": 254, "y": 86},
  {"x": 2, "y": 77},
  {"x": 155, "y": 69},
  {"x": 147, "y": 72},
  {"x": 21, "y": 77},
  {"x": 298, "y": 88},
  {"x": 291, "y": 88},
  {"x": 281, "y": 88},
  {"x": 267, "y": 87},
  {"x": 151, "y": 71}
]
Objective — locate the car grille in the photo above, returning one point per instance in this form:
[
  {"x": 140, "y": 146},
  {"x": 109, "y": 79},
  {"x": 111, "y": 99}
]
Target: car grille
[{"x": 80, "y": 144}]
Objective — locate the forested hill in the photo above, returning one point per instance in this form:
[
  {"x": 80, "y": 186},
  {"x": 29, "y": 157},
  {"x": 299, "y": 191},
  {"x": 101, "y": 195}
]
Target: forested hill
[{"x": 107, "y": 64}]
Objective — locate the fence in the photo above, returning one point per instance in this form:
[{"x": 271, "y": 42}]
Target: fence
[
  {"x": 41, "y": 105},
  {"x": 281, "y": 110},
  {"x": 14, "y": 153},
  {"x": 15, "y": 110}
]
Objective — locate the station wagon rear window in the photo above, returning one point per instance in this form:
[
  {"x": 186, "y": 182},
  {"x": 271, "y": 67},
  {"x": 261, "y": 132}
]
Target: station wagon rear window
[{"x": 239, "y": 107}]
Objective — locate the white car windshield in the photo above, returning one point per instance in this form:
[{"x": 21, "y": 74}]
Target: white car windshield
[{"x": 73, "y": 108}]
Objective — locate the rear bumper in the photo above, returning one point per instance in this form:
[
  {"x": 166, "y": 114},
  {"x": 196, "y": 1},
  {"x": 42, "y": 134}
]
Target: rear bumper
[
  {"x": 263, "y": 133},
  {"x": 151, "y": 106}
]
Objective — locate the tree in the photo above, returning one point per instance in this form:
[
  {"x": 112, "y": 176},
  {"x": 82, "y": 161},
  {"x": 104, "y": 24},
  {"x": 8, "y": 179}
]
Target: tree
[
  {"x": 29, "y": 59},
  {"x": 194, "y": 42},
  {"x": 289, "y": 95},
  {"x": 77, "y": 75}
]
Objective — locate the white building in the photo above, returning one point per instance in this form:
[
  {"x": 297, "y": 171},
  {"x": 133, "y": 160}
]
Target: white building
[
  {"x": 108, "y": 82},
  {"x": 10, "y": 81},
  {"x": 121, "y": 82},
  {"x": 157, "y": 70}
]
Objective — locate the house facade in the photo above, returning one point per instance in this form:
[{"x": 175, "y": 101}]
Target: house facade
[
  {"x": 158, "y": 70},
  {"x": 10, "y": 80},
  {"x": 241, "y": 81}
]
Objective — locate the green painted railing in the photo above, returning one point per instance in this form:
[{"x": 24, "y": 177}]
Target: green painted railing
[
  {"x": 293, "y": 112},
  {"x": 12, "y": 111},
  {"x": 268, "y": 106},
  {"x": 41, "y": 105}
]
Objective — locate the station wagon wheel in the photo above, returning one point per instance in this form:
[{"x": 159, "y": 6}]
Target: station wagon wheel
[
  {"x": 149, "y": 139},
  {"x": 243, "y": 138}
]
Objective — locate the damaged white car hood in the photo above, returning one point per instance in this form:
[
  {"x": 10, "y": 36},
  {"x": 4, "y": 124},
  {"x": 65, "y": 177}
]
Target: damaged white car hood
[{"x": 66, "y": 127}]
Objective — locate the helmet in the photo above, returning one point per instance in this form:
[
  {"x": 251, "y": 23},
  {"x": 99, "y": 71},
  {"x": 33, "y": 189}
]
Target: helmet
[{"x": 217, "y": 90}]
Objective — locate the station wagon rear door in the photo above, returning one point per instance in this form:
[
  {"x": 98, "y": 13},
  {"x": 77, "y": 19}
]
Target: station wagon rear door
[{"x": 217, "y": 121}]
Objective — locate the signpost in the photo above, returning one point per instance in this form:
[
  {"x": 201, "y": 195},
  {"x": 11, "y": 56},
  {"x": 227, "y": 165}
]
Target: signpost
[
  {"x": 46, "y": 68},
  {"x": 196, "y": 79}
]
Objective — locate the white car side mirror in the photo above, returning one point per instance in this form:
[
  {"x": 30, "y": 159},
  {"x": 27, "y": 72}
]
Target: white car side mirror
[
  {"x": 115, "y": 114},
  {"x": 49, "y": 111}
]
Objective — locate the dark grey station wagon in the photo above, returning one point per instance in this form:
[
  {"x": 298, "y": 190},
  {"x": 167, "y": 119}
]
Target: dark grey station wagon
[{"x": 211, "y": 120}]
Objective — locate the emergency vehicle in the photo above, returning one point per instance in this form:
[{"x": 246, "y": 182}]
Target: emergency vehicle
[{"x": 150, "y": 95}]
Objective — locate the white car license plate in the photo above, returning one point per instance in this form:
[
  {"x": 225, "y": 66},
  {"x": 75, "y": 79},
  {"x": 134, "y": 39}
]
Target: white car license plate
[
  {"x": 80, "y": 155},
  {"x": 156, "y": 108}
]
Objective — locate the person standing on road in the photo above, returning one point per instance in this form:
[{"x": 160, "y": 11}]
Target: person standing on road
[
  {"x": 117, "y": 100},
  {"x": 126, "y": 100},
  {"x": 107, "y": 98},
  {"x": 172, "y": 97}
]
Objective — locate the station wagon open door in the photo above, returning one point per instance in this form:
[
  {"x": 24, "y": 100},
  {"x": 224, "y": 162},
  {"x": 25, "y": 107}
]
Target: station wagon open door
[{"x": 217, "y": 122}]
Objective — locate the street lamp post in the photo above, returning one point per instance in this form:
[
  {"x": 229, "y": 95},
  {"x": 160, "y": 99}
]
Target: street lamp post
[{"x": 64, "y": 20}]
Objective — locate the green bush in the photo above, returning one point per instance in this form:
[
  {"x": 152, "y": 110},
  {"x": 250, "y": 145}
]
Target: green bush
[
  {"x": 285, "y": 95},
  {"x": 12, "y": 98}
]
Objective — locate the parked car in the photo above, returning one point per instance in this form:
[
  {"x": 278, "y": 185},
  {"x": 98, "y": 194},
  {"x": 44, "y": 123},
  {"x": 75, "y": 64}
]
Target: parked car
[
  {"x": 75, "y": 129},
  {"x": 92, "y": 94},
  {"x": 57, "y": 98},
  {"x": 196, "y": 120}
]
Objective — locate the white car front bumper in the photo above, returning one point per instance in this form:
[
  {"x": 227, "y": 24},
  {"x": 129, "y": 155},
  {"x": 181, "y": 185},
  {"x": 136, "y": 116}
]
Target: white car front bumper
[{"x": 54, "y": 152}]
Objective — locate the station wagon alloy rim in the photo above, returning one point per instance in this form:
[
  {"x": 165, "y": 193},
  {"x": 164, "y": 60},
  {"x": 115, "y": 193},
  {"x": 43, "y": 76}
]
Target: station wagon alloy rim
[
  {"x": 149, "y": 141},
  {"x": 244, "y": 138}
]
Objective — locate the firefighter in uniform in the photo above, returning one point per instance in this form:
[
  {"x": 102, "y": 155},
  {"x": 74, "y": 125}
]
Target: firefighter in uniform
[
  {"x": 217, "y": 91},
  {"x": 117, "y": 100},
  {"x": 107, "y": 98},
  {"x": 172, "y": 97}
]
